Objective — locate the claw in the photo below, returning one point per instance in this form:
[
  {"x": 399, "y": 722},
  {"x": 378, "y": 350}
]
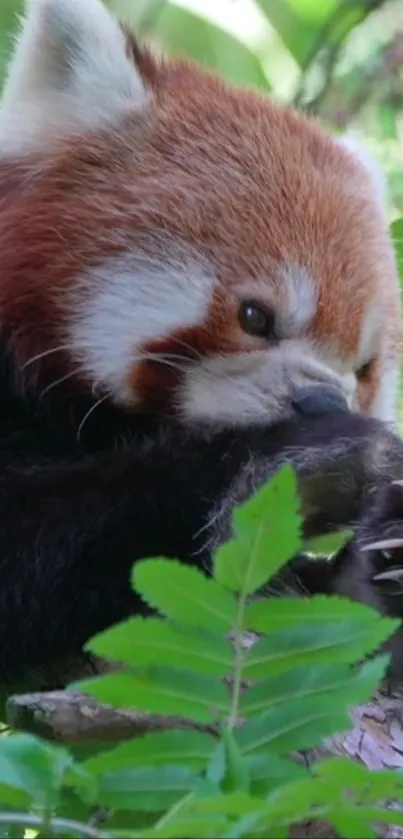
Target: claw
[
  {"x": 383, "y": 545},
  {"x": 394, "y": 574}
]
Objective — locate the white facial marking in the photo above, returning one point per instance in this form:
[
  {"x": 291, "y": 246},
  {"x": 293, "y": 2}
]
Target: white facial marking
[
  {"x": 131, "y": 299},
  {"x": 255, "y": 387},
  {"x": 70, "y": 72},
  {"x": 369, "y": 334},
  {"x": 301, "y": 298},
  {"x": 385, "y": 404}
]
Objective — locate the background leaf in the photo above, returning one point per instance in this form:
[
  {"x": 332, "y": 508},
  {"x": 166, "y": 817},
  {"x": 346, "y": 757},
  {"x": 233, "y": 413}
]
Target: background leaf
[
  {"x": 329, "y": 543},
  {"x": 146, "y": 788},
  {"x": 188, "y": 748}
]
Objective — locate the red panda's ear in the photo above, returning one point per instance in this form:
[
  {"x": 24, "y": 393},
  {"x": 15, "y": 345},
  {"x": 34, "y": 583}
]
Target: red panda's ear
[{"x": 73, "y": 69}]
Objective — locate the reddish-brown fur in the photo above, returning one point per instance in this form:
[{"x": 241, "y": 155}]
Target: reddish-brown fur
[{"x": 247, "y": 182}]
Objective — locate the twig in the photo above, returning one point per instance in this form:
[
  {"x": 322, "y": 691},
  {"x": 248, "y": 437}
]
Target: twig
[
  {"x": 30, "y": 821},
  {"x": 73, "y": 717}
]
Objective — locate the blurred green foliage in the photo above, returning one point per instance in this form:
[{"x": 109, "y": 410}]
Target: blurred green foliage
[{"x": 340, "y": 59}]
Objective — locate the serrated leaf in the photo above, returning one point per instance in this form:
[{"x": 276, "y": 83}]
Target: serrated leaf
[
  {"x": 161, "y": 690},
  {"x": 188, "y": 748},
  {"x": 328, "y": 544},
  {"x": 343, "y": 641},
  {"x": 142, "y": 641},
  {"x": 298, "y": 724},
  {"x": 184, "y": 594},
  {"x": 145, "y": 788},
  {"x": 267, "y": 529},
  {"x": 297, "y": 682},
  {"x": 270, "y": 614}
]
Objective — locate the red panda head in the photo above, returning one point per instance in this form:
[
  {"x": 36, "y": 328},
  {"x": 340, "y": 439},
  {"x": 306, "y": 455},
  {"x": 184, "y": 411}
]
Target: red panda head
[{"x": 181, "y": 245}]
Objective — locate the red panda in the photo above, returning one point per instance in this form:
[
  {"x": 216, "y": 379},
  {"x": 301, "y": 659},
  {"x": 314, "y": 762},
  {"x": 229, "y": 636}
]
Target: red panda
[
  {"x": 184, "y": 259},
  {"x": 177, "y": 245}
]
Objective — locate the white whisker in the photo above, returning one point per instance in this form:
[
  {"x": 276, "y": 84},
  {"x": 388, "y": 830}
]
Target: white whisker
[
  {"x": 195, "y": 353},
  {"x": 165, "y": 360},
  {"x": 88, "y": 414},
  {"x": 44, "y": 354},
  {"x": 59, "y": 381}
]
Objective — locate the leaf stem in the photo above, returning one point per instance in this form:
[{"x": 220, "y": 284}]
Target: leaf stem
[
  {"x": 31, "y": 821},
  {"x": 174, "y": 810},
  {"x": 238, "y": 662}
]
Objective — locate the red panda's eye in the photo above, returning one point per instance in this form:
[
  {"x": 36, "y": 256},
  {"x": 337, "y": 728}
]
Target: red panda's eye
[{"x": 256, "y": 320}]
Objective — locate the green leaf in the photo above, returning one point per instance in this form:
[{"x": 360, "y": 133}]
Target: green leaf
[
  {"x": 267, "y": 529},
  {"x": 370, "y": 786},
  {"x": 397, "y": 236},
  {"x": 15, "y": 798},
  {"x": 216, "y": 768},
  {"x": 344, "y": 641},
  {"x": 368, "y": 814},
  {"x": 328, "y": 544},
  {"x": 9, "y": 9},
  {"x": 184, "y": 594},
  {"x": 198, "y": 827},
  {"x": 190, "y": 748},
  {"x": 298, "y": 682},
  {"x": 142, "y": 641},
  {"x": 161, "y": 690},
  {"x": 296, "y": 31},
  {"x": 237, "y": 771},
  {"x": 270, "y": 614},
  {"x": 238, "y": 803},
  {"x": 268, "y": 771},
  {"x": 298, "y": 801},
  {"x": 186, "y": 33},
  {"x": 351, "y": 824},
  {"x": 31, "y": 765},
  {"x": 297, "y": 724},
  {"x": 146, "y": 788},
  {"x": 243, "y": 827},
  {"x": 300, "y": 722}
]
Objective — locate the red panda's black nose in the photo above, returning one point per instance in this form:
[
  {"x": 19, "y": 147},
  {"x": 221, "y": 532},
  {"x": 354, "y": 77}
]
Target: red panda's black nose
[{"x": 315, "y": 400}]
